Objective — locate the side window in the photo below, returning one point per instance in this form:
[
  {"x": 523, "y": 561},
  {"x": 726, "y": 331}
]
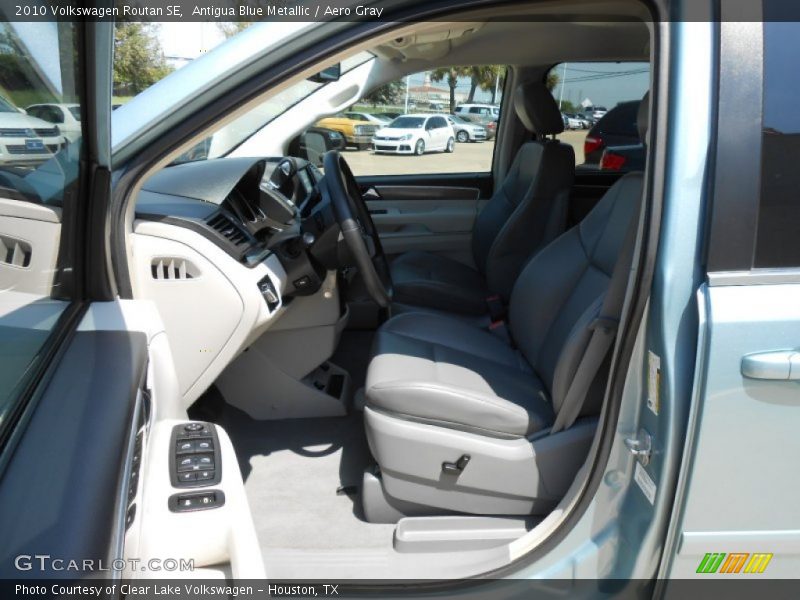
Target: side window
[
  {"x": 410, "y": 101},
  {"x": 599, "y": 103},
  {"x": 778, "y": 233},
  {"x": 37, "y": 191}
]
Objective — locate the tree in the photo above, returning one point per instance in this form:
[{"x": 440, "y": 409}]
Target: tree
[
  {"x": 389, "y": 93},
  {"x": 495, "y": 79},
  {"x": 138, "y": 59},
  {"x": 451, "y": 74},
  {"x": 231, "y": 28},
  {"x": 552, "y": 80},
  {"x": 486, "y": 78}
]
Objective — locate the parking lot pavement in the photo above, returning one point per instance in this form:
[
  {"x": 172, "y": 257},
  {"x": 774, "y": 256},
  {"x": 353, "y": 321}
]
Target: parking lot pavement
[{"x": 467, "y": 158}]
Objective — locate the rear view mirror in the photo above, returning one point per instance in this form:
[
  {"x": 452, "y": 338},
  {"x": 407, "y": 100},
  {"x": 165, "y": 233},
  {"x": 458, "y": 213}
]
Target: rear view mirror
[{"x": 332, "y": 73}]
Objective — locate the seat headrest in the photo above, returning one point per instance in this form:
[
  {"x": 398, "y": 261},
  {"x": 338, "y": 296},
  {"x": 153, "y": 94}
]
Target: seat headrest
[
  {"x": 537, "y": 109},
  {"x": 643, "y": 118}
]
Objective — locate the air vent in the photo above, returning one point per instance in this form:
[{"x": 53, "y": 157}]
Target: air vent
[
  {"x": 14, "y": 252},
  {"x": 228, "y": 229},
  {"x": 173, "y": 269}
]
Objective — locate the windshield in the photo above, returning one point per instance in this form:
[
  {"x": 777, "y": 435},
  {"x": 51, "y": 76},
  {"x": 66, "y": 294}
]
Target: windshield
[
  {"x": 407, "y": 123},
  {"x": 232, "y": 135},
  {"x": 458, "y": 120},
  {"x": 6, "y": 107},
  {"x": 76, "y": 112}
]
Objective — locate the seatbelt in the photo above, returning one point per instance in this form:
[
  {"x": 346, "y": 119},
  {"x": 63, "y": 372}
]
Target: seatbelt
[
  {"x": 497, "y": 310},
  {"x": 604, "y": 332}
]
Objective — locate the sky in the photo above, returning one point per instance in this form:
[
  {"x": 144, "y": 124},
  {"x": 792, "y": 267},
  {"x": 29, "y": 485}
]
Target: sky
[{"x": 603, "y": 84}]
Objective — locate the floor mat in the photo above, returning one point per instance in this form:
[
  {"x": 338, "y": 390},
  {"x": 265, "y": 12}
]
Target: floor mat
[{"x": 292, "y": 470}]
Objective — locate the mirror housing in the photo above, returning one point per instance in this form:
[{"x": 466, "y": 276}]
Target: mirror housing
[
  {"x": 314, "y": 142},
  {"x": 332, "y": 73}
]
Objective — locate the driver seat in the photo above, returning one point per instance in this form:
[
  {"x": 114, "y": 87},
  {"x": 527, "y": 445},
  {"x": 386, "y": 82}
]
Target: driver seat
[
  {"x": 461, "y": 419},
  {"x": 527, "y": 211}
]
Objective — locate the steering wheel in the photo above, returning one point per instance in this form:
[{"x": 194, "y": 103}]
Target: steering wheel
[{"x": 357, "y": 227}]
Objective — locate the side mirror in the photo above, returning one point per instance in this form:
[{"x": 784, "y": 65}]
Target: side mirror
[
  {"x": 332, "y": 73},
  {"x": 313, "y": 143}
]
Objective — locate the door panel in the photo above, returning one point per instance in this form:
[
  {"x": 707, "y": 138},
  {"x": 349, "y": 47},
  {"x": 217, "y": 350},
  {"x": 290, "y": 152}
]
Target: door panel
[
  {"x": 746, "y": 444},
  {"x": 431, "y": 213},
  {"x": 422, "y": 218},
  {"x": 77, "y": 441}
]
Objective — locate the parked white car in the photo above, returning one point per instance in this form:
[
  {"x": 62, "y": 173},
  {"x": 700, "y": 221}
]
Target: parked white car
[
  {"x": 477, "y": 111},
  {"x": 26, "y": 140},
  {"x": 466, "y": 131},
  {"x": 416, "y": 134},
  {"x": 66, "y": 116}
]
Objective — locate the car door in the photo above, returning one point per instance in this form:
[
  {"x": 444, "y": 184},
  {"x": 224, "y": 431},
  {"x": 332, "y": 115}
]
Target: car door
[
  {"x": 736, "y": 512},
  {"x": 71, "y": 389}
]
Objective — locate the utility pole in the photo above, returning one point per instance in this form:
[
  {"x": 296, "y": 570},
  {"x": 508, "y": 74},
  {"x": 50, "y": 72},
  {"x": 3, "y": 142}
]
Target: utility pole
[
  {"x": 563, "y": 84},
  {"x": 407, "y": 77}
]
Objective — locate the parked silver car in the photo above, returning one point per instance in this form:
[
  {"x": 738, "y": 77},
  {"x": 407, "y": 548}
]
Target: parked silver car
[{"x": 466, "y": 131}]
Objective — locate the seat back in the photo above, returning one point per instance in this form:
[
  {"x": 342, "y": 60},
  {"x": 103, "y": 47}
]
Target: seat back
[
  {"x": 529, "y": 209},
  {"x": 560, "y": 291}
]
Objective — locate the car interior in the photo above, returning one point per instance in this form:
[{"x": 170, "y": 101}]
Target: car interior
[{"x": 390, "y": 376}]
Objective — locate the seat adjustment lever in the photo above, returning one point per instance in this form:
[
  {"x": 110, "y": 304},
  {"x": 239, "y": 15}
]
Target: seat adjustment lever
[{"x": 456, "y": 467}]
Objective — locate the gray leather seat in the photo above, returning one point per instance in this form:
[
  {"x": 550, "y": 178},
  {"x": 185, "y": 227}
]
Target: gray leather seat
[
  {"x": 526, "y": 212},
  {"x": 448, "y": 375}
]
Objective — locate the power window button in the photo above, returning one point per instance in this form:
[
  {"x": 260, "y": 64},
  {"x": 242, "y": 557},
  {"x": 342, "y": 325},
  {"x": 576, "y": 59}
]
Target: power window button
[
  {"x": 203, "y": 446},
  {"x": 185, "y": 447},
  {"x": 187, "y": 476}
]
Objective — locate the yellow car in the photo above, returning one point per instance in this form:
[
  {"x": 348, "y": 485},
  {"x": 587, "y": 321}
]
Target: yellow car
[{"x": 357, "y": 130}]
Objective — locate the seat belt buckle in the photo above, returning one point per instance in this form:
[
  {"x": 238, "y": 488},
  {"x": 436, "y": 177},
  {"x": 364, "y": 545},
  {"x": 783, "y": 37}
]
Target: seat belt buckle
[
  {"x": 497, "y": 310},
  {"x": 500, "y": 329},
  {"x": 607, "y": 324}
]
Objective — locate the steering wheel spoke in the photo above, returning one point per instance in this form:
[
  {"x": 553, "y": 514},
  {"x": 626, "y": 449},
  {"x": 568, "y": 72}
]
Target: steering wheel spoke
[{"x": 357, "y": 228}]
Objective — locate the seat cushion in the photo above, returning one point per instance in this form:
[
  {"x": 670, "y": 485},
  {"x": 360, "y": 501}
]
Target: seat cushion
[
  {"x": 446, "y": 371},
  {"x": 426, "y": 279}
]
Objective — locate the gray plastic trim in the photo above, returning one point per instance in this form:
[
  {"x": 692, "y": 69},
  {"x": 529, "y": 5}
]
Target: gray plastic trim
[{"x": 458, "y": 533}]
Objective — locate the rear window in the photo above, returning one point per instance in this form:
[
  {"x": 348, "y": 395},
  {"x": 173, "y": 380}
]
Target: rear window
[
  {"x": 621, "y": 120},
  {"x": 778, "y": 234}
]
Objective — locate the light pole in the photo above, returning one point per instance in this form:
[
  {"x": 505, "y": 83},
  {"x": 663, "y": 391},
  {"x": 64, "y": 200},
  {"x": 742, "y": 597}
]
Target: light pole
[
  {"x": 406, "y": 110},
  {"x": 563, "y": 83}
]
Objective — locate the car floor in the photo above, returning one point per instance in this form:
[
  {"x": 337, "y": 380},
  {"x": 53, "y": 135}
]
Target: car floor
[{"x": 292, "y": 470}]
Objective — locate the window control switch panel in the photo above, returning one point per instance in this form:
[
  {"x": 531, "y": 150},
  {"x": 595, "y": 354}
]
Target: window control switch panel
[{"x": 195, "y": 459}]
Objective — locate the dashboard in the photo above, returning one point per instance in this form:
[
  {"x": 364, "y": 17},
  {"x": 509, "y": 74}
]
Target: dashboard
[
  {"x": 247, "y": 206},
  {"x": 226, "y": 248}
]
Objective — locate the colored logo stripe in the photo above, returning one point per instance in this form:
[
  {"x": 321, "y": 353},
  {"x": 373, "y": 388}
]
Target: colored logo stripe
[
  {"x": 734, "y": 562},
  {"x": 713, "y": 562},
  {"x": 758, "y": 562}
]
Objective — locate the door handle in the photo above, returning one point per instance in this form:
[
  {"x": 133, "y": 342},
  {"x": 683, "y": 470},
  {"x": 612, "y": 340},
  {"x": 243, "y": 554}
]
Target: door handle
[
  {"x": 370, "y": 193},
  {"x": 782, "y": 365}
]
